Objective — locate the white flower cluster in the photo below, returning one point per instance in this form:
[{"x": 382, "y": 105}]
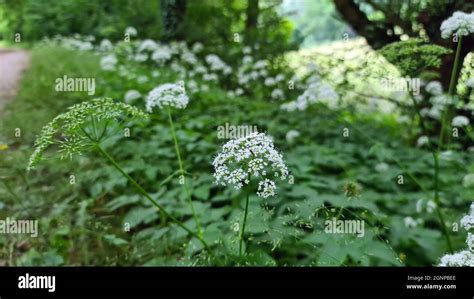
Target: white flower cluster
[
  {"x": 430, "y": 206},
  {"x": 162, "y": 53},
  {"x": 410, "y": 222},
  {"x": 108, "y": 62},
  {"x": 291, "y": 135},
  {"x": 460, "y": 121},
  {"x": 266, "y": 188},
  {"x": 460, "y": 23},
  {"x": 197, "y": 47},
  {"x": 381, "y": 167},
  {"x": 216, "y": 64},
  {"x": 278, "y": 94},
  {"x": 169, "y": 94},
  {"x": 458, "y": 259},
  {"x": 468, "y": 180},
  {"x": 470, "y": 82},
  {"x": 468, "y": 221},
  {"x": 76, "y": 42},
  {"x": 422, "y": 140},
  {"x": 465, "y": 257},
  {"x": 434, "y": 88},
  {"x": 250, "y": 72},
  {"x": 316, "y": 91},
  {"x": 131, "y": 31},
  {"x": 147, "y": 45},
  {"x": 251, "y": 156},
  {"x": 105, "y": 45},
  {"x": 131, "y": 96}
]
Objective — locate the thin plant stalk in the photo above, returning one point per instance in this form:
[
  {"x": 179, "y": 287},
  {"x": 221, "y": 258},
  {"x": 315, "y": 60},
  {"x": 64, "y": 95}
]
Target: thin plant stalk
[
  {"x": 244, "y": 222},
  {"x": 147, "y": 196},
  {"x": 181, "y": 169},
  {"x": 451, "y": 90}
]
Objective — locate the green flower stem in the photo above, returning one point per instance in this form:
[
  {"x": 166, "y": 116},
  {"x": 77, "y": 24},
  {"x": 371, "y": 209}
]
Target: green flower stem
[
  {"x": 244, "y": 222},
  {"x": 435, "y": 153},
  {"x": 454, "y": 77},
  {"x": 147, "y": 196},
  {"x": 181, "y": 169},
  {"x": 451, "y": 90}
]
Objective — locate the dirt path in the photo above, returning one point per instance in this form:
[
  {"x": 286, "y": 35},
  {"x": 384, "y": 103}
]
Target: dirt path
[{"x": 12, "y": 65}]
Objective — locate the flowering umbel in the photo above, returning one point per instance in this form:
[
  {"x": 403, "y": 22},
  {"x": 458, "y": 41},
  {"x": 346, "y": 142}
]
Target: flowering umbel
[
  {"x": 169, "y": 94},
  {"x": 459, "y": 23},
  {"x": 69, "y": 130},
  {"x": 252, "y": 156},
  {"x": 464, "y": 257}
]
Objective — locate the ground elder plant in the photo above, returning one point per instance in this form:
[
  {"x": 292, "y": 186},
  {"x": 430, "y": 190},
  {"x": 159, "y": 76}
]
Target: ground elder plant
[
  {"x": 464, "y": 258},
  {"x": 250, "y": 158},
  {"x": 166, "y": 97},
  {"x": 83, "y": 127}
]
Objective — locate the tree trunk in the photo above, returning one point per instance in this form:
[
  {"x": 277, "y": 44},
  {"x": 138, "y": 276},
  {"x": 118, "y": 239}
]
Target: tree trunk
[
  {"x": 376, "y": 36},
  {"x": 173, "y": 12},
  {"x": 251, "y": 22}
]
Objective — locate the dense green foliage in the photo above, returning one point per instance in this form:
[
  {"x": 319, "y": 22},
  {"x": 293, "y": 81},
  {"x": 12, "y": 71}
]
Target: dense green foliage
[
  {"x": 115, "y": 178},
  {"x": 105, "y": 19},
  {"x": 82, "y": 223}
]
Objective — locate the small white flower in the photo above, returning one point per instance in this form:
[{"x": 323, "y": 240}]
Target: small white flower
[
  {"x": 291, "y": 135},
  {"x": 270, "y": 81},
  {"x": 106, "y": 45},
  {"x": 210, "y": 77},
  {"x": 430, "y": 206},
  {"x": 468, "y": 180},
  {"x": 216, "y": 64},
  {"x": 468, "y": 221},
  {"x": 161, "y": 54},
  {"x": 189, "y": 57},
  {"x": 107, "y": 63},
  {"x": 434, "y": 88},
  {"x": 142, "y": 79},
  {"x": 197, "y": 47},
  {"x": 435, "y": 112},
  {"x": 277, "y": 94},
  {"x": 470, "y": 241},
  {"x": 266, "y": 188},
  {"x": 381, "y": 167},
  {"x": 131, "y": 31},
  {"x": 419, "y": 205},
  {"x": 460, "y": 23},
  {"x": 410, "y": 222},
  {"x": 247, "y": 59},
  {"x": 458, "y": 259},
  {"x": 440, "y": 100},
  {"x": 147, "y": 45},
  {"x": 169, "y": 94},
  {"x": 316, "y": 91},
  {"x": 470, "y": 82},
  {"x": 132, "y": 95},
  {"x": 260, "y": 64},
  {"x": 422, "y": 140},
  {"x": 251, "y": 156},
  {"x": 140, "y": 57},
  {"x": 460, "y": 121}
]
